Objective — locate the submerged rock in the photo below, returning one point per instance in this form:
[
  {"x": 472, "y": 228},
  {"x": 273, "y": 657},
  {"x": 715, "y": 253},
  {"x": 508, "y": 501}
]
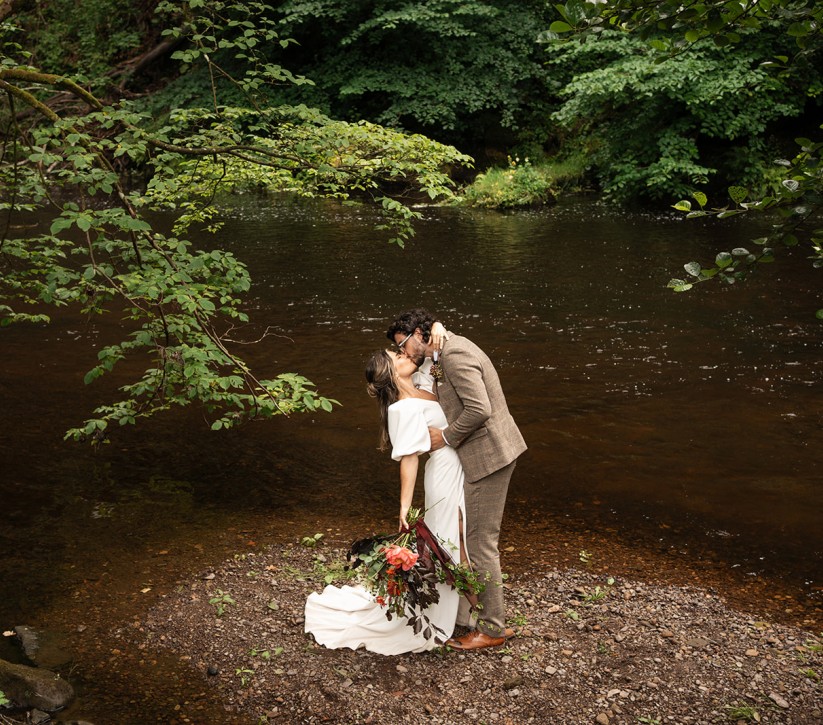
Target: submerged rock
[{"x": 44, "y": 648}]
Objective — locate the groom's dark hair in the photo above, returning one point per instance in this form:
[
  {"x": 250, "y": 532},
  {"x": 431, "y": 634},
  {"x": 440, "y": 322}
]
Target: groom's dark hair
[{"x": 407, "y": 322}]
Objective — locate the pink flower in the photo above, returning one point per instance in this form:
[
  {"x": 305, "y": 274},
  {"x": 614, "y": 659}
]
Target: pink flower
[{"x": 400, "y": 556}]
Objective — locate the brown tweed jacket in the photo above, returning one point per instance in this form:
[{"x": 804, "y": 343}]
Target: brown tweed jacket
[{"x": 480, "y": 428}]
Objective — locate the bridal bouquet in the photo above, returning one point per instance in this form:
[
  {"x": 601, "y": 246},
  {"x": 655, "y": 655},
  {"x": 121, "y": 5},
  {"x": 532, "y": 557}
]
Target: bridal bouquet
[{"x": 403, "y": 570}]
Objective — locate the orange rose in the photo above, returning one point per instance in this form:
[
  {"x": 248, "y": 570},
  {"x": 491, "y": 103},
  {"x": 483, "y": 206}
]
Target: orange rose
[{"x": 401, "y": 556}]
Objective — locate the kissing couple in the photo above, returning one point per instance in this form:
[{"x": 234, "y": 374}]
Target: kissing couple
[{"x": 438, "y": 393}]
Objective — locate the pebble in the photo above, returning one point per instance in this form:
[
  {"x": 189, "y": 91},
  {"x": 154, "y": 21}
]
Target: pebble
[
  {"x": 779, "y": 701},
  {"x": 602, "y": 719},
  {"x": 697, "y": 642},
  {"x": 512, "y": 682}
]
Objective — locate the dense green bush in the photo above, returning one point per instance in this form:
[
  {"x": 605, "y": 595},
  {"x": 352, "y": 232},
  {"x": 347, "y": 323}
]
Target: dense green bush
[
  {"x": 658, "y": 130},
  {"x": 461, "y": 72}
]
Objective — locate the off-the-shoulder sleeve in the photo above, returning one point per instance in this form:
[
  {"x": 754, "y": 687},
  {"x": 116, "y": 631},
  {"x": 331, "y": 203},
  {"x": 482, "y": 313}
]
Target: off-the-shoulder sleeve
[{"x": 408, "y": 430}]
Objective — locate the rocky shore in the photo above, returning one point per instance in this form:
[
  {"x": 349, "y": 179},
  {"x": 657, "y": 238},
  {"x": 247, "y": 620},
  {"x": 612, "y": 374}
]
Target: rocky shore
[{"x": 589, "y": 649}]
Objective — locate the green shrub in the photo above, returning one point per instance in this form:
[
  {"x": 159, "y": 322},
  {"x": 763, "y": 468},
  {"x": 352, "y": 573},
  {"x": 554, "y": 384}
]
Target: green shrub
[{"x": 520, "y": 184}]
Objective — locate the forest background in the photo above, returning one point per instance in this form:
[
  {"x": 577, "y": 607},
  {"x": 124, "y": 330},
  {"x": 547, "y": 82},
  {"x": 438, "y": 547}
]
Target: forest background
[{"x": 123, "y": 107}]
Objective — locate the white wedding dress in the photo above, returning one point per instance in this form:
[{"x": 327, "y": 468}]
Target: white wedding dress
[{"x": 350, "y": 616}]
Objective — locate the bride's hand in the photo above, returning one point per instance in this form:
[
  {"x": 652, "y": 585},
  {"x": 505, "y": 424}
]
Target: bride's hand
[
  {"x": 404, "y": 524},
  {"x": 438, "y": 335}
]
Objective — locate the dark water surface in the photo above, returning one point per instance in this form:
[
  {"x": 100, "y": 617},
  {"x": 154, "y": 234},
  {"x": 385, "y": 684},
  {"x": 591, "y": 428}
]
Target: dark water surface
[{"x": 682, "y": 428}]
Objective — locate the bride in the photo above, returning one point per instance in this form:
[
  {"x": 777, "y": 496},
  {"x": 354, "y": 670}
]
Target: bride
[{"x": 350, "y": 616}]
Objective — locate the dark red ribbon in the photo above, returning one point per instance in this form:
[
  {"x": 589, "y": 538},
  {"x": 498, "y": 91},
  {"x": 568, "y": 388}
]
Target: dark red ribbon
[{"x": 425, "y": 538}]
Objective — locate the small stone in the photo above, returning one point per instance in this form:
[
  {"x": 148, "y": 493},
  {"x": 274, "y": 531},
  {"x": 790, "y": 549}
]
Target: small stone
[
  {"x": 779, "y": 701},
  {"x": 212, "y": 671},
  {"x": 602, "y": 719},
  {"x": 567, "y": 652},
  {"x": 512, "y": 682},
  {"x": 551, "y": 670},
  {"x": 697, "y": 642},
  {"x": 666, "y": 633},
  {"x": 751, "y": 653},
  {"x": 402, "y": 669}
]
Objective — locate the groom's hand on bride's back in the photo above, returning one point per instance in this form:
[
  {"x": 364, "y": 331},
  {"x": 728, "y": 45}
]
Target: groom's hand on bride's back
[{"x": 437, "y": 440}]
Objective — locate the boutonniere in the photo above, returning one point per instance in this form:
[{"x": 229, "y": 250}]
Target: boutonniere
[{"x": 436, "y": 371}]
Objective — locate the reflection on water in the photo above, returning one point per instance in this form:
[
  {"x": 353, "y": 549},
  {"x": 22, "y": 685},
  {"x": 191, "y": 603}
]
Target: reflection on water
[{"x": 648, "y": 414}]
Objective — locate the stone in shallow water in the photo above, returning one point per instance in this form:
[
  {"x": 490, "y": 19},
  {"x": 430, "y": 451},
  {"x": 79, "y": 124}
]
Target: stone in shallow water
[{"x": 31, "y": 687}]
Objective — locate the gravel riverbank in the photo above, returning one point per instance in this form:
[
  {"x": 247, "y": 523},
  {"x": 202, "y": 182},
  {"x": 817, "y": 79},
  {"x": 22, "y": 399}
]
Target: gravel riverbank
[{"x": 588, "y": 649}]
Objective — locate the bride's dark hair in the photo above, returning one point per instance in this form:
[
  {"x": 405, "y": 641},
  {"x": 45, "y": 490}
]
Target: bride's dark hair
[{"x": 382, "y": 384}]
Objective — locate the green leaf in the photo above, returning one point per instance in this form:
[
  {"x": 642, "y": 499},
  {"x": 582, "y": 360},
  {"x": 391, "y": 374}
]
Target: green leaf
[
  {"x": 723, "y": 260},
  {"x": 558, "y": 26},
  {"x": 700, "y": 198},
  {"x": 679, "y": 285},
  {"x": 693, "y": 268},
  {"x": 59, "y": 225},
  {"x": 683, "y": 205},
  {"x": 738, "y": 194}
]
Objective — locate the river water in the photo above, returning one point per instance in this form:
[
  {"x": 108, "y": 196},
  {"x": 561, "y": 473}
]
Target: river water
[{"x": 685, "y": 426}]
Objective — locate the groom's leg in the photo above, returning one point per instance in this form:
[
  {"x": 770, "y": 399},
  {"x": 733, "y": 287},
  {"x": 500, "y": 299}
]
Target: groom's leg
[{"x": 485, "y": 501}]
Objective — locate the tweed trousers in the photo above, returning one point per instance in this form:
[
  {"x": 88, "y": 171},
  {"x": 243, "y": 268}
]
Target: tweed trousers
[{"x": 485, "y": 500}]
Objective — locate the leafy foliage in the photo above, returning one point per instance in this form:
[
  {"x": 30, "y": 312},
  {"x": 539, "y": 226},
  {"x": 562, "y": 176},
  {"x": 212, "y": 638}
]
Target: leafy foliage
[
  {"x": 181, "y": 306},
  {"x": 672, "y": 27},
  {"x": 453, "y": 69},
  {"x": 796, "y": 202},
  {"x": 521, "y": 184},
  {"x": 86, "y": 43},
  {"x": 658, "y": 130}
]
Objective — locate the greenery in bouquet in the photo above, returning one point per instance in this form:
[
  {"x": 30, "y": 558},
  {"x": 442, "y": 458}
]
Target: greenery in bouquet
[{"x": 403, "y": 571}]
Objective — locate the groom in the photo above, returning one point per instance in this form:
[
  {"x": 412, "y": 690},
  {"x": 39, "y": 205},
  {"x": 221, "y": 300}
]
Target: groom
[{"x": 488, "y": 443}]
